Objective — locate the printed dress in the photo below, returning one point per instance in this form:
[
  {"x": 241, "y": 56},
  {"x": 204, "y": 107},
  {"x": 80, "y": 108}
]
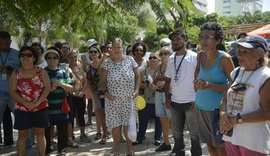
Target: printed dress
[{"x": 121, "y": 84}]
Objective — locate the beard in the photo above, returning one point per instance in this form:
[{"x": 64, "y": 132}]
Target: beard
[{"x": 177, "y": 48}]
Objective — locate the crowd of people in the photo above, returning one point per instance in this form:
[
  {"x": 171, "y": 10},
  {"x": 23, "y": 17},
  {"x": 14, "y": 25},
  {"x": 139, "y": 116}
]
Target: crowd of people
[{"x": 220, "y": 98}]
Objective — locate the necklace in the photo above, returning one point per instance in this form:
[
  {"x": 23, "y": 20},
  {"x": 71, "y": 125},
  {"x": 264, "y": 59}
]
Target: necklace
[{"x": 237, "y": 92}]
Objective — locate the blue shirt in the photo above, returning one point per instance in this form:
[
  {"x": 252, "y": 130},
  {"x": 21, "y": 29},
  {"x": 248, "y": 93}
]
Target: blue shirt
[
  {"x": 10, "y": 58},
  {"x": 208, "y": 99}
]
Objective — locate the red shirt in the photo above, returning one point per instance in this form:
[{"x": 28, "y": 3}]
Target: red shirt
[{"x": 30, "y": 89}]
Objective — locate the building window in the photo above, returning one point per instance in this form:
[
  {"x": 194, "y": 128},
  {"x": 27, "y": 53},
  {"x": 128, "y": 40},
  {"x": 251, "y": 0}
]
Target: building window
[
  {"x": 226, "y": 1},
  {"x": 227, "y": 12},
  {"x": 226, "y": 7}
]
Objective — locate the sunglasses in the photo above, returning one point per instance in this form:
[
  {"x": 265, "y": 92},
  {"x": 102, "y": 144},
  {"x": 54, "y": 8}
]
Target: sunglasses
[
  {"x": 163, "y": 54},
  {"x": 91, "y": 52},
  {"x": 25, "y": 55},
  {"x": 239, "y": 87},
  {"x": 50, "y": 58},
  {"x": 152, "y": 57},
  {"x": 66, "y": 48}
]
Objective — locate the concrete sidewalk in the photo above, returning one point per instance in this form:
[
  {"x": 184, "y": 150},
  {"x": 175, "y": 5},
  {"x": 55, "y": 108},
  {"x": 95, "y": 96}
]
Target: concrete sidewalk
[{"x": 147, "y": 148}]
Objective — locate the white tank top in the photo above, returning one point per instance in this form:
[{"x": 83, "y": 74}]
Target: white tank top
[{"x": 253, "y": 136}]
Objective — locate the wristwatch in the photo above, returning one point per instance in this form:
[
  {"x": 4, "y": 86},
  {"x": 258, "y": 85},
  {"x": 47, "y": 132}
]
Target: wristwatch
[{"x": 239, "y": 118}]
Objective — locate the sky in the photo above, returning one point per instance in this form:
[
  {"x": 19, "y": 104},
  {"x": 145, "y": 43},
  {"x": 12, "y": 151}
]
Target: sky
[{"x": 266, "y": 5}]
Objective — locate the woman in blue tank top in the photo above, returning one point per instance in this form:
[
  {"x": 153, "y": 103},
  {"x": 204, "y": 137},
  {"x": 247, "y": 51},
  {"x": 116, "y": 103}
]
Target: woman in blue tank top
[{"x": 211, "y": 82}]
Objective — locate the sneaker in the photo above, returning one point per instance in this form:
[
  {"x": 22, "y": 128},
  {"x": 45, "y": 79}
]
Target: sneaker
[
  {"x": 72, "y": 144},
  {"x": 98, "y": 136},
  {"x": 157, "y": 143},
  {"x": 63, "y": 152},
  {"x": 84, "y": 138},
  {"x": 163, "y": 147}
]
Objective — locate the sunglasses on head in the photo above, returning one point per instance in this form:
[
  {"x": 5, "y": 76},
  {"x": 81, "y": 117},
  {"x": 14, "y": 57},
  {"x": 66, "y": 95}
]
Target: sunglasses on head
[
  {"x": 50, "y": 58},
  {"x": 26, "y": 55},
  {"x": 163, "y": 54}
]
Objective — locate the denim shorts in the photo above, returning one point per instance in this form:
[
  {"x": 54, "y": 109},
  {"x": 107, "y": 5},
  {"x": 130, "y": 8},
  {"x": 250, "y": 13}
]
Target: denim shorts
[
  {"x": 27, "y": 120},
  {"x": 161, "y": 110},
  {"x": 96, "y": 102}
]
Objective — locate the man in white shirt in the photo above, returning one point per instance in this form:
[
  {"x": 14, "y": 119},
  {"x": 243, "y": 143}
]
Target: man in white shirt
[{"x": 180, "y": 94}]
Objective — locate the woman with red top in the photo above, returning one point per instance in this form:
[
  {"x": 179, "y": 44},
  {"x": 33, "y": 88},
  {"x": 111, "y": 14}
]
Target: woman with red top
[{"x": 29, "y": 88}]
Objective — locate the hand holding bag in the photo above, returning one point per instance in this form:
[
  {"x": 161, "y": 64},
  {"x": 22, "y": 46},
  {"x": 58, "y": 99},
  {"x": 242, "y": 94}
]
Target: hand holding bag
[
  {"x": 132, "y": 129},
  {"x": 65, "y": 105}
]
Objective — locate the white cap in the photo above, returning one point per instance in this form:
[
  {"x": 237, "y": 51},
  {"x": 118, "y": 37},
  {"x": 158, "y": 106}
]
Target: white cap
[
  {"x": 91, "y": 42},
  {"x": 165, "y": 42}
]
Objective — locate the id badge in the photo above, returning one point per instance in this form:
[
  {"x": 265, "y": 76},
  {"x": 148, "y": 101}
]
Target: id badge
[
  {"x": 3, "y": 76},
  {"x": 175, "y": 81}
]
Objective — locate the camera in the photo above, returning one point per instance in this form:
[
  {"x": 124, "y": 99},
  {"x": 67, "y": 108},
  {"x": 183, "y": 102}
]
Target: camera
[
  {"x": 147, "y": 79},
  {"x": 229, "y": 133},
  {"x": 239, "y": 87}
]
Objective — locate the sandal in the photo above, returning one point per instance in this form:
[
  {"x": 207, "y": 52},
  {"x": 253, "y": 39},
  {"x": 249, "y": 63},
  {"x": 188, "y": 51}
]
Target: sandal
[
  {"x": 103, "y": 141},
  {"x": 98, "y": 136},
  {"x": 132, "y": 153}
]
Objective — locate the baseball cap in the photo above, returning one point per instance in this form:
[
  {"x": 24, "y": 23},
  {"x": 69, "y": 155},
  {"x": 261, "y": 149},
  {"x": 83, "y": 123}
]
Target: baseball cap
[
  {"x": 252, "y": 41},
  {"x": 165, "y": 42},
  {"x": 91, "y": 42}
]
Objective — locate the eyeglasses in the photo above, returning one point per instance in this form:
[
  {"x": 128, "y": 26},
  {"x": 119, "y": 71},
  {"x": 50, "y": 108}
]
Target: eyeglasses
[
  {"x": 206, "y": 37},
  {"x": 163, "y": 54},
  {"x": 152, "y": 57},
  {"x": 26, "y": 55},
  {"x": 91, "y": 52},
  {"x": 139, "y": 50},
  {"x": 50, "y": 58},
  {"x": 66, "y": 48}
]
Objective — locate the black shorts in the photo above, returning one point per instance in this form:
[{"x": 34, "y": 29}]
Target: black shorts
[{"x": 27, "y": 120}]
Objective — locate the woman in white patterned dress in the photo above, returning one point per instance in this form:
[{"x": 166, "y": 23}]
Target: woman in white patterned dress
[{"x": 120, "y": 82}]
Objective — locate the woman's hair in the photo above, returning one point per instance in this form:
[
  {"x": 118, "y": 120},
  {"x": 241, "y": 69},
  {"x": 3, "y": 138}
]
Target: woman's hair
[
  {"x": 38, "y": 45},
  {"x": 34, "y": 52},
  {"x": 213, "y": 26},
  {"x": 128, "y": 52},
  {"x": 100, "y": 55},
  {"x": 139, "y": 43},
  {"x": 263, "y": 61}
]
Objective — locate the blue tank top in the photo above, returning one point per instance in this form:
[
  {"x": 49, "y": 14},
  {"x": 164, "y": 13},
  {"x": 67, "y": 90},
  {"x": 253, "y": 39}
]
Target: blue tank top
[{"x": 208, "y": 99}]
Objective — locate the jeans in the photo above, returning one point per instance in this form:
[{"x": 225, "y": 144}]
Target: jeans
[
  {"x": 8, "y": 128},
  {"x": 182, "y": 113},
  {"x": 144, "y": 116},
  {"x": 5, "y": 100}
]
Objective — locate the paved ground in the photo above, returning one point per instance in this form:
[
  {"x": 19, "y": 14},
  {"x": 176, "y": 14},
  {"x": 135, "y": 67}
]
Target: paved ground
[{"x": 95, "y": 149}]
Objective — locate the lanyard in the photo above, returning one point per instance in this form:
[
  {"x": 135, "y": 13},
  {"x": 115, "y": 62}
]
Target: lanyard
[
  {"x": 3, "y": 62},
  {"x": 178, "y": 68}
]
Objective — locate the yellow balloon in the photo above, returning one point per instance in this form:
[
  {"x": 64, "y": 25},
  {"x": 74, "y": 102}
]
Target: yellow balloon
[{"x": 140, "y": 102}]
